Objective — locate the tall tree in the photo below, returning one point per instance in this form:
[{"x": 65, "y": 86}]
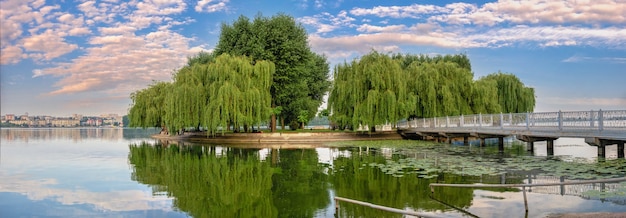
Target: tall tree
[
  {"x": 239, "y": 92},
  {"x": 370, "y": 91},
  {"x": 442, "y": 88},
  {"x": 513, "y": 95},
  {"x": 148, "y": 106},
  {"x": 187, "y": 99},
  {"x": 485, "y": 97},
  {"x": 301, "y": 75}
]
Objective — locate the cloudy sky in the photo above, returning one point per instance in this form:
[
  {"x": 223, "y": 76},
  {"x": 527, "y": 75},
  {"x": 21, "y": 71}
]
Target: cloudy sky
[{"x": 64, "y": 57}]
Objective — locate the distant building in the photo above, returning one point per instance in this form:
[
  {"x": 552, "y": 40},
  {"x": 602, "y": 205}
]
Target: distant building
[
  {"x": 64, "y": 122},
  {"x": 24, "y": 117},
  {"x": 77, "y": 116},
  {"x": 10, "y": 117}
]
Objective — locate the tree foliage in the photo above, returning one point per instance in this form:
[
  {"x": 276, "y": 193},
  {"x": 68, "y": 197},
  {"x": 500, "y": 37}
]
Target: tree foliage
[
  {"x": 300, "y": 80},
  {"x": 210, "y": 92},
  {"x": 370, "y": 91},
  {"x": 238, "y": 92},
  {"x": 148, "y": 106},
  {"x": 377, "y": 89},
  {"x": 513, "y": 95}
]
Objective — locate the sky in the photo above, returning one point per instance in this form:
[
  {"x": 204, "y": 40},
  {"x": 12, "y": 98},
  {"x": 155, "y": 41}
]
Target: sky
[{"x": 85, "y": 57}]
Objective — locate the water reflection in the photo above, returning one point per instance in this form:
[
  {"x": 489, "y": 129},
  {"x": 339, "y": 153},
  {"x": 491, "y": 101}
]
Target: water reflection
[
  {"x": 73, "y": 134},
  {"x": 301, "y": 182},
  {"x": 128, "y": 174},
  {"x": 72, "y": 173},
  {"x": 235, "y": 183}
]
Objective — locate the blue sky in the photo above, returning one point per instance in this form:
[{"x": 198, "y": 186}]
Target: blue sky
[{"x": 64, "y": 57}]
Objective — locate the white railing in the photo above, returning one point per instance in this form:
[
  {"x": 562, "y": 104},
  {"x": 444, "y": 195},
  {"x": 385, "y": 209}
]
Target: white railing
[{"x": 584, "y": 120}]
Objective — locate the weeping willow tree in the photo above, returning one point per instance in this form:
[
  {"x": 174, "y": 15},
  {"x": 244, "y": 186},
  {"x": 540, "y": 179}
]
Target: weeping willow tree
[
  {"x": 370, "y": 91},
  {"x": 485, "y": 97},
  {"x": 238, "y": 91},
  {"x": 513, "y": 95},
  {"x": 442, "y": 88},
  {"x": 148, "y": 106},
  {"x": 187, "y": 99}
]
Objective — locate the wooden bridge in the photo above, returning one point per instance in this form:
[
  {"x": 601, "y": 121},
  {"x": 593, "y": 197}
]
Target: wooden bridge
[{"x": 599, "y": 128}]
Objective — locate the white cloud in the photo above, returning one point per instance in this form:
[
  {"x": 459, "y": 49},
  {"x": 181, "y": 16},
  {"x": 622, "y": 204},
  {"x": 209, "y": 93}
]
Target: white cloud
[
  {"x": 49, "y": 44},
  {"x": 429, "y": 34},
  {"x": 520, "y": 12},
  {"x": 552, "y": 36},
  {"x": 326, "y": 22},
  {"x": 132, "y": 46},
  {"x": 211, "y": 6},
  {"x": 578, "y": 58},
  {"x": 371, "y": 28},
  {"x": 123, "y": 61},
  {"x": 160, "y": 7},
  {"x": 411, "y": 11},
  {"x": 335, "y": 47},
  {"x": 10, "y": 55}
]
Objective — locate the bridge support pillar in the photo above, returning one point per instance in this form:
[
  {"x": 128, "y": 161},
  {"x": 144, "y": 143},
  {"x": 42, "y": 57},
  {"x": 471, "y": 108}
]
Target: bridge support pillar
[
  {"x": 550, "y": 147},
  {"x": 530, "y": 140},
  {"x": 466, "y": 141},
  {"x": 501, "y": 144},
  {"x": 482, "y": 142},
  {"x": 620, "y": 150},
  {"x": 602, "y": 151}
]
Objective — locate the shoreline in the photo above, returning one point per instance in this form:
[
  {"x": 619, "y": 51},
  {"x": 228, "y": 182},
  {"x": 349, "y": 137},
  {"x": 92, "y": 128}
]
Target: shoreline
[{"x": 282, "y": 137}]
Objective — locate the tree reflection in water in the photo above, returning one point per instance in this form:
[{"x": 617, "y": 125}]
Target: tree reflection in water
[{"x": 206, "y": 181}]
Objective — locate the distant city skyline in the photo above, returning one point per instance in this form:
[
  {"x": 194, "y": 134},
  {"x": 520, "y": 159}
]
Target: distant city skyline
[{"x": 59, "y": 58}]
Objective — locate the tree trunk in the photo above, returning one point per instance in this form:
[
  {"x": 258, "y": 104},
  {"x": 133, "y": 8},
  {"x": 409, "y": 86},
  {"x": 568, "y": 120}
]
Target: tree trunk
[
  {"x": 273, "y": 123},
  {"x": 282, "y": 123}
]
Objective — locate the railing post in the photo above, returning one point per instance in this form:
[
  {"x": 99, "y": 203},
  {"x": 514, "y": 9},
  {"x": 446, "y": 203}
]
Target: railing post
[
  {"x": 424, "y": 124},
  {"x": 527, "y": 121},
  {"x": 560, "y": 120},
  {"x": 600, "y": 120},
  {"x": 510, "y": 119},
  {"x": 447, "y": 122},
  {"x": 501, "y": 120},
  {"x": 435, "y": 122},
  {"x": 591, "y": 118},
  {"x": 480, "y": 120},
  {"x": 461, "y": 121}
]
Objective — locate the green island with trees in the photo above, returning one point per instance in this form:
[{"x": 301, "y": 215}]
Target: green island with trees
[{"x": 263, "y": 72}]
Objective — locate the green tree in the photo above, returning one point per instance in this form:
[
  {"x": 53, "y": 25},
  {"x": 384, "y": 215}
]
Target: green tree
[
  {"x": 239, "y": 92},
  {"x": 370, "y": 91},
  {"x": 300, "y": 80},
  {"x": 324, "y": 113},
  {"x": 442, "y": 88},
  {"x": 303, "y": 118},
  {"x": 148, "y": 106},
  {"x": 485, "y": 97},
  {"x": 187, "y": 99},
  {"x": 513, "y": 95}
]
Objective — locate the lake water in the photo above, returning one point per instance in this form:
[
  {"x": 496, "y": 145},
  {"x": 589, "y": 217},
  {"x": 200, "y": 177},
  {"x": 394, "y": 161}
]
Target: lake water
[{"x": 124, "y": 173}]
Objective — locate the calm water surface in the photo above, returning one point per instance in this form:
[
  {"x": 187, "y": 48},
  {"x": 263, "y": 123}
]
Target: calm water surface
[{"x": 124, "y": 173}]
